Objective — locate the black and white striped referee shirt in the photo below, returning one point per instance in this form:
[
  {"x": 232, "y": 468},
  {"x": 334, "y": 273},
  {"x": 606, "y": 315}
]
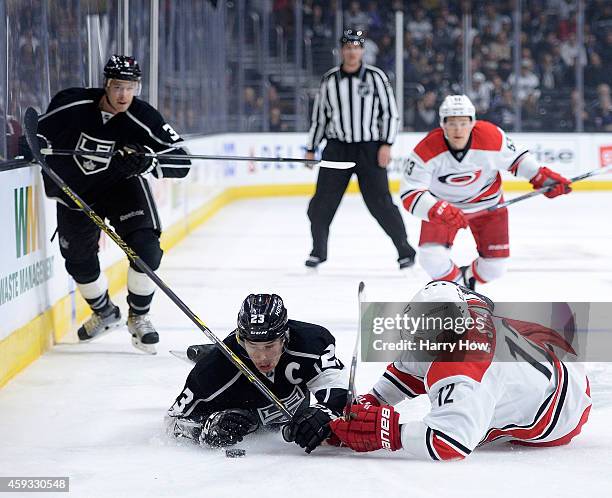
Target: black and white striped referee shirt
[{"x": 354, "y": 107}]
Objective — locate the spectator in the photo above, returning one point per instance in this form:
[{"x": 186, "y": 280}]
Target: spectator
[
  {"x": 480, "y": 95},
  {"x": 276, "y": 123},
  {"x": 500, "y": 47},
  {"x": 550, "y": 73},
  {"x": 355, "y": 17},
  {"x": 419, "y": 26},
  {"x": 492, "y": 20},
  {"x": 252, "y": 105},
  {"x": 443, "y": 34},
  {"x": 595, "y": 73},
  {"x": 370, "y": 50},
  {"x": 502, "y": 113},
  {"x": 605, "y": 49},
  {"x": 570, "y": 51},
  {"x": 426, "y": 115},
  {"x": 321, "y": 28},
  {"x": 527, "y": 84},
  {"x": 504, "y": 68},
  {"x": 376, "y": 22},
  {"x": 601, "y": 119},
  {"x": 386, "y": 55}
]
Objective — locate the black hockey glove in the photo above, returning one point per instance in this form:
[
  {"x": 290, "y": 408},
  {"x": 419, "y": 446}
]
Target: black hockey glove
[
  {"x": 228, "y": 427},
  {"x": 309, "y": 428},
  {"x": 130, "y": 161}
]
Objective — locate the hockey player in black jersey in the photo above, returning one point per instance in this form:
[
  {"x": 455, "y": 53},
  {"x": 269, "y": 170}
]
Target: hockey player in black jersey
[
  {"x": 113, "y": 120},
  {"x": 219, "y": 406}
]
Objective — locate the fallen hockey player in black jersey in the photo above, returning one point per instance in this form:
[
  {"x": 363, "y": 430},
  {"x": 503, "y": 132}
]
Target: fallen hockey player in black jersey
[{"x": 219, "y": 405}]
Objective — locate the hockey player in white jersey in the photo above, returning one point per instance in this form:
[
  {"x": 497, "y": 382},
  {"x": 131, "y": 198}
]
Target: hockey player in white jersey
[
  {"x": 517, "y": 389},
  {"x": 452, "y": 176}
]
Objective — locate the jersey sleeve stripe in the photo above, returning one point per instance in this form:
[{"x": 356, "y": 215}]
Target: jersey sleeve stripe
[
  {"x": 516, "y": 163},
  {"x": 446, "y": 450},
  {"x": 147, "y": 129},
  {"x": 410, "y": 199},
  {"x": 303, "y": 355},
  {"x": 429, "y": 444},
  {"x": 213, "y": 395},
  {"x": 63, "y": 107},
  {"x": 414, "y": 384},
  {"x": 405, "y": 390},
  {"x": 455, "y": 445}
]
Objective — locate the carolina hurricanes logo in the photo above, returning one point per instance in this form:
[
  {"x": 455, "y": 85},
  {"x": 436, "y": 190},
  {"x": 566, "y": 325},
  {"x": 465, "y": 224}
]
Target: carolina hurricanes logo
[{"x": 461, "y": 179}]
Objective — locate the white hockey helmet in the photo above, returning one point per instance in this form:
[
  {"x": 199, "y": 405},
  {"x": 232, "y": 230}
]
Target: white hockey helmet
[
  {"x": 440, "y": 291},
  {"x": 457, "y": 105},
  {"x": 438, "y": 300}
]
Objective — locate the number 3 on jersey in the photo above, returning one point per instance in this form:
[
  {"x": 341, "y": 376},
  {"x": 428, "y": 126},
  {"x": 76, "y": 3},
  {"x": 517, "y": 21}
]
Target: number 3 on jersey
[
  {"x": 182, "y": 401},
  {"x": 174, "y": 136}
]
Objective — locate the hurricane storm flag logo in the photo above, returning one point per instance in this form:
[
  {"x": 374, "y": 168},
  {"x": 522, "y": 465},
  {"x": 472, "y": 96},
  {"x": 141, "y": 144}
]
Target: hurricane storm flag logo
[{"x": 27, "y": 236}]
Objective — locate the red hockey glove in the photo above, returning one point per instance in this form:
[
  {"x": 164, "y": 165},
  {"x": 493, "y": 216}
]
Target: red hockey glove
[
  {"x": 362, "y": 399},
  {"x": 369, "y": 429},
  {"x": 545, "y": 178},
  {"x": 367, "y": 399},
  {"x": 445, "y": 213}
]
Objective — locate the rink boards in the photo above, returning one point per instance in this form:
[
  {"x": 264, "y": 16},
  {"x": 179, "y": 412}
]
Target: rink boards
[{"x": 38, "y": 302}]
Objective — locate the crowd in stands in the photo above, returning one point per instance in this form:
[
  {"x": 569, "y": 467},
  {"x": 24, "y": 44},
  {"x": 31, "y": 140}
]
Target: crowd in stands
[
  {"x": 433, "y": 51},
  {"x": 433, "y": 39}
]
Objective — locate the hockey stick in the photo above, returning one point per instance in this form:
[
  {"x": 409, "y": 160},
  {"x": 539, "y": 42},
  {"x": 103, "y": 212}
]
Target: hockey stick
[
  {"x": 350, "y": 394},
  {"x": 313, "y": 162},
  {"x": 31, "y": 127},
  {"x": 542, "y": 190}
]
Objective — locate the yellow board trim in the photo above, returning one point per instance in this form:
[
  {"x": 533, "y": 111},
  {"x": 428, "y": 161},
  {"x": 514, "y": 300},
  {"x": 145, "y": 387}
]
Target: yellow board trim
[{"x": 27, "y": 343}]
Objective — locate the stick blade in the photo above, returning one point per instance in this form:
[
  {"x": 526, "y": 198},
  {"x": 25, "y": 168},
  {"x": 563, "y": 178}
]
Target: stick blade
[
  {"x": 336, "y": 164},
  {"x": 30, "y": 124}
]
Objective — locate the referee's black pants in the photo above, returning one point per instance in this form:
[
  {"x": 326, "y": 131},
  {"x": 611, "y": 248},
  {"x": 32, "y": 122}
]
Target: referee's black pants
[{"x": 374, "y": 185}]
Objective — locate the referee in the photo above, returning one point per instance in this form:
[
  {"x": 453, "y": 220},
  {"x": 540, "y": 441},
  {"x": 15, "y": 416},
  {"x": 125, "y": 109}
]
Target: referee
[{"x": 356, "y": 112}]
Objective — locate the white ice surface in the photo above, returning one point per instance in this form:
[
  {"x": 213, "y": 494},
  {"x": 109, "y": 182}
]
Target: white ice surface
[{"x": 93, "y": 412}]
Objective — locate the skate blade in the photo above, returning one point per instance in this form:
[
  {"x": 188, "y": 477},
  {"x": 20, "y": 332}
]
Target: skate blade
[{"x": 147, "y": 348}]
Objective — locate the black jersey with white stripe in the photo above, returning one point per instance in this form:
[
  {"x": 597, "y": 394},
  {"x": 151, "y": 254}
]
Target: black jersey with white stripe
[
  {"x": 354, "y": 107},
  {"x": 307, "y": 365},
  {"x": 74, "y": 121}
]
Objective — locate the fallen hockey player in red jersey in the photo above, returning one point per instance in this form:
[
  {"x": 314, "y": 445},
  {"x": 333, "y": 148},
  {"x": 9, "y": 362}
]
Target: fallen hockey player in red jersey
[{"x": 537, "y": 400}]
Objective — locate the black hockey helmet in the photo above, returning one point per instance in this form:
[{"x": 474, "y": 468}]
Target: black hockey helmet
[
  {"x": 122, "y": 67},
  {"x": 352, "y": 36},
  {"x": 262, "y": 318}
]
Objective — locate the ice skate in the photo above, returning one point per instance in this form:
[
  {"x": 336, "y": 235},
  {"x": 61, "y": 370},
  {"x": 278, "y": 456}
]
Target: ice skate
[
  {"x": 99, "y": 323},
  {"x": 406, "y": 262},
  {"x": 144, "y": 335},
  {"x": 314, "y": 261},
  {"x": 467, "y": 280}
]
